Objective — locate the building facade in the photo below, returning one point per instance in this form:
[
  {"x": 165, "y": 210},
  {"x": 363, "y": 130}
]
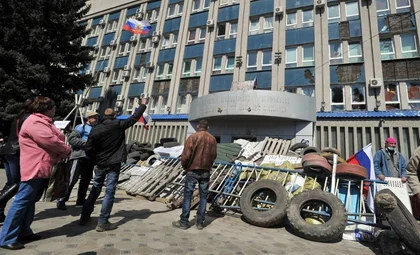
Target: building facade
[{"x": 357, "y": 58}]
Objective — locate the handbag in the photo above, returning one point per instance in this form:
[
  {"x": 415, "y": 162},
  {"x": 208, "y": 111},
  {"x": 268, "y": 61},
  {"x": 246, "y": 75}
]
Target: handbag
[{"x": 59, "y": 181}]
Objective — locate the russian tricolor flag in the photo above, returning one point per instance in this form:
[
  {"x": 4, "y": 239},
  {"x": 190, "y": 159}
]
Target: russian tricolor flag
[
  {"x": 364, "y": 158},
  {"x": 137, "y": 27}
]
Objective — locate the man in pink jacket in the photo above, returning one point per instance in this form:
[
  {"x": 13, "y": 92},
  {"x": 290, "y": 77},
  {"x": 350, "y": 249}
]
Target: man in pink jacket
[{"x": 41, "y": 146}]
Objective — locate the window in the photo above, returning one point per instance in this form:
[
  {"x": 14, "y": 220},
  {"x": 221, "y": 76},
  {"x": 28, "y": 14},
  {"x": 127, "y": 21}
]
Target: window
[
  {"x": 291, "y": 57},
  {"x": 217, "y": 64},
  {"x": 392, "y": 98},
  {"x": 307, "y": 18},
  {"x": 155, "y": 14},
  {"x": 408, "y": 46},
  {"x": 291, "y": 20},
  {"x": 124, "y": 48},
  {"x": 171, "y": 10},
  {"x": 192, "y": 36},
  {"x": 308, "y": 91},
  {"x": 221, "y": 31},
  {"x": 308, "y": 56},
  {"x": 355, "y": 52},
  {"x": 150, "y": 44},
  {"x": 202, "y": 34},
  {"x": 335, "y": 53},
  {"x": 337, "y": 98},
  {"x": 352, "y": 9},
  {"x": 233, "y": 30},
  {"x": 198, "y": 63},
  {"x": 180, "y": 9},
  {"x": 387, "y": 49},
  {"x": 254, "y": 26},
  {"x": 382, "y": 5},
  {"x": 160, "y": 71},
  {"x": 186, "y": 72},
  {"x": 252, "y": 61},
  {"x": 165, "y": 41},
  {"x": 206, "y": 4},
  {"x": 170, "y": 69},
  {"x": 413, "y": 91},
  {"x": 230, "y": 64},
  {"x": 358, "y": 97},
  {"x": 402, "y": 4},
  {"x": 142, "y": 46},
  {"x": 196, "y": 5},
  {"x": 112, "y": 26},
  {"x": 266, "y": 59},
  {"x": 175, "y": 39},
  {"x": 140, "y": 74},
  {"x": 268, "y": 24},
  {"x": 333, "y": 13},
  {"x": 115, "y": 75}
]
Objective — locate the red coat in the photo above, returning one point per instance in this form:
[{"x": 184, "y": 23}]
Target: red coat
[{"x": 41, "y": 146}]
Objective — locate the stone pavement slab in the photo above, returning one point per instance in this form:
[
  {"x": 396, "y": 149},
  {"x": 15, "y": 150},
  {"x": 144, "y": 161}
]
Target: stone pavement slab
[{"x": 144, "y": 228}]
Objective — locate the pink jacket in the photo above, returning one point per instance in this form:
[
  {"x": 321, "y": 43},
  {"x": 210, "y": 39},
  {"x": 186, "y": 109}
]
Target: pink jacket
[{"x": 41, "y": 146}]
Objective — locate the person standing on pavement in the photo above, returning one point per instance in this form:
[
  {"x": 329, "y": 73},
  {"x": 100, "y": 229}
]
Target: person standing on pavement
[
  {"x": 81, "y": 165},
  {"x": 10, "y": 156},
  {"x": 41, "y": 146},
  {"x": 413, "y": 168},
  {"x": 106, "y": 145},
  {"x": 388, "y": 162},
  {"x": 197, "y": 159}
]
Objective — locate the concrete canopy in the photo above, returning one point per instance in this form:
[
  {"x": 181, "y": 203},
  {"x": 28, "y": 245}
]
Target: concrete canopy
[{"x": 253, "y": 104}]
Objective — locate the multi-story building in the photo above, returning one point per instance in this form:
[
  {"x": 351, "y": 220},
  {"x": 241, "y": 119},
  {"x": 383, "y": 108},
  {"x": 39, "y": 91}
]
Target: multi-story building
[{"x": 358, "y": 58}]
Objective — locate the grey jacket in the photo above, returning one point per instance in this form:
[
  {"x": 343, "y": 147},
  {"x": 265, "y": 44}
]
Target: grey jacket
[
  {"x": 413, "y": 168},
  {"x": 77, "y": 145}
]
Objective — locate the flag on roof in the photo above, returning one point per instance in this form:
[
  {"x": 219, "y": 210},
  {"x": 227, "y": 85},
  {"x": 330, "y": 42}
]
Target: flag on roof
[{"x": 137, "y": 27}]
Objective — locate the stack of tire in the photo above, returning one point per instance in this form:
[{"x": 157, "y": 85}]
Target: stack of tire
[
  {"x": 137, "y": 151},
  {"x": 302, "y": 211},
  {"x": 314, "y": 214}
]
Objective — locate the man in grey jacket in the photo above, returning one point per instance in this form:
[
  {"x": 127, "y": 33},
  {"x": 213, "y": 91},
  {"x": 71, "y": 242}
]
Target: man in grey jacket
[
  {"x": 413, "y": 168},
  {"x": 81, "y": 166}
]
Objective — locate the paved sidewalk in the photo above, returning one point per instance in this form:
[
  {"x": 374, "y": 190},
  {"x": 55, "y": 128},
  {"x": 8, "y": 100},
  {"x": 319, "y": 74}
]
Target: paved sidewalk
[{"x": 145, "y": 228}]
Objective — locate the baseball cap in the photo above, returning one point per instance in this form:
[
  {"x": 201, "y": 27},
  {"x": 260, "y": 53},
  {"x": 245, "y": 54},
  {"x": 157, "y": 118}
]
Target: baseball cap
[
  {"x": 391, "y": 140},
  {"x": 91, "y": 114}
]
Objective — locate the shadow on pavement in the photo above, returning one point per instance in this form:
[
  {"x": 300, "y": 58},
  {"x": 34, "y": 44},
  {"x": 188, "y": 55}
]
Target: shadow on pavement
[
  {"x": 74, "y": 229},
  {"x": 72, "y": 210}
]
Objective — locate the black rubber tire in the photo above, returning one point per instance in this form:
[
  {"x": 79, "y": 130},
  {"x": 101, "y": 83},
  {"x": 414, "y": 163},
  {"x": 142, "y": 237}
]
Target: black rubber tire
[
  {"x": 309, "y": 150},
  {"x": 331, "y": 150},
  {"x": 144, "y": 156},
  {"x": 129, "y": 145},
  {"x": 298, "y": 146},
  {"x": 131, "y": 161},
  {"x": 152, "y": 159},
  {"x": 134, "y": 154},
  {"x": 170, "y": 144},
  {"x": 165, "y": 140},
  {"x": 270, "y": 217},
  {"x": 331, "y": 230},
  {"x": 400, "y": 219}
]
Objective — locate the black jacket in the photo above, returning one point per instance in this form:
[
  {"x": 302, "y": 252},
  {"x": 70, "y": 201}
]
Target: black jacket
[
  {"x": 12, "y": 145},
  {"x": 106, "y": 142}
]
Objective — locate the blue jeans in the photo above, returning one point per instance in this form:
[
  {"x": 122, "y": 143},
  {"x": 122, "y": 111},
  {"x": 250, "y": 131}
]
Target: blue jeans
[
  {"x": 111, "y": 173},
  {"x": 21, "y": 213},
  {"x": 12, "y": 167},
  {"x": 202, "y": 177}
]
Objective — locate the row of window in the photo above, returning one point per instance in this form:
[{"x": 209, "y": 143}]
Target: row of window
[{"x": 357, "y": 95}]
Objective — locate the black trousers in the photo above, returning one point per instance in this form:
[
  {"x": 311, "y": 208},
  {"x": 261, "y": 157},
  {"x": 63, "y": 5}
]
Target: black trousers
[{"x": 82, "y": 168}]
